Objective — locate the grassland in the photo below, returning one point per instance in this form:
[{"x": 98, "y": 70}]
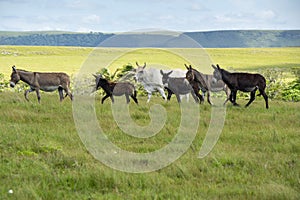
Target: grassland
[
  {"x": 42, "y": 156},
  {"x": 70, "y": 59}
]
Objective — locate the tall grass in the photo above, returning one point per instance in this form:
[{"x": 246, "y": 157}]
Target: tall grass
[{"x": 42, "y": 156}]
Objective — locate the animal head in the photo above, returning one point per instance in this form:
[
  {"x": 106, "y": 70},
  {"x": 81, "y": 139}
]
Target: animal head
[
  {"x": 139, "y": 72},
  {"x": 190, "y": 73},
  {"x": 217, "y": 75},
  {"x": 14, "y": 77},
  {"x": 165, "y": 76},
  {"x": 98, "y": 79}
]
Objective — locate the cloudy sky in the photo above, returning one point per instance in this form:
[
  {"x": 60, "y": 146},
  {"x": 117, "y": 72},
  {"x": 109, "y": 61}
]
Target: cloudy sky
[{"x": 128, "y": 15}]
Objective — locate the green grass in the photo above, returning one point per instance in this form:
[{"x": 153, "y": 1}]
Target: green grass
[
  {"x": 256, "y": 58},
  {"x": 70, "y": 59},
  {"x": 42, "y": 157}
]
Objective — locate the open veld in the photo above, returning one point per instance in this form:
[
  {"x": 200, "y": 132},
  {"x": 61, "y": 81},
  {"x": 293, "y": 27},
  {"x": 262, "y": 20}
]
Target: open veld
[
  {"x": 42, "y": 156},
  {"x": 70, "y": 59}
]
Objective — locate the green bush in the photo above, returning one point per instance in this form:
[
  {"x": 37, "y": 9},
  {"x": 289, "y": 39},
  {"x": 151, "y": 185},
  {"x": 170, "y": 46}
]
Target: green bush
[
  {"x": 275, "y": 83},
  {"x": 4, "y": 84},
  {"x": 292, "y": 91}
]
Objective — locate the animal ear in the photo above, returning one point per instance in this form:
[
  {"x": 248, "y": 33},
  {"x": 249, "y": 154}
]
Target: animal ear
[
  {"x": 137, "y": 64},
  {"x": 186, "y": 66},
  {"x": 161, "y": 72},
  {"x": 218, "y": 66},
  {"x": 213, "y": 66},
  {"x": 190, "y": 68},
  {"x": 94, "y": 75},
  {"x": 170, "y": 73},
  {"x": 14, "y": 68},
  {"x": 144, "y": 65}
]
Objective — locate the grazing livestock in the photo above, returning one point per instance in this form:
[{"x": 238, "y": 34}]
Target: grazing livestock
[
  {"x": 244, "y": 82},
  {"x": 207, "y": 83},
  {"x": 177, "y": 86},
  {"x": 151, "y": 79},
  {"x": 37, "y": 81},
  {"x": 116, "y": 89}
]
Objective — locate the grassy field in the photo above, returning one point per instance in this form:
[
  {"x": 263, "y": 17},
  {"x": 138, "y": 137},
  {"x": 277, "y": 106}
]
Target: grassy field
[
  {"x": 42, "y": 156},
  {"x": 70, "y": 59}
]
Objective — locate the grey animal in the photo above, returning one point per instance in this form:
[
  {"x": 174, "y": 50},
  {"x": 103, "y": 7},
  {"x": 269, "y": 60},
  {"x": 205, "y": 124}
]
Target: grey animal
[
  {"x": 44, "y": 81},
  {"x": 178, "y": 86}
]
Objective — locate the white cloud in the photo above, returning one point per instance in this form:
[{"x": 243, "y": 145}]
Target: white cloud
[
  {"x": 197, "y": 6},
  {"x": 91, "y": 19},
  {"x": 266, "y": 15}
]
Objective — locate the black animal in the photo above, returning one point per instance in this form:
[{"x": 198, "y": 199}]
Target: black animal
[
  {"x": 177, "y": 86},
  {"x": 206, "y": 83},
  {"x": 115, "y": 89},
  {"x": 244, "y": 82}
]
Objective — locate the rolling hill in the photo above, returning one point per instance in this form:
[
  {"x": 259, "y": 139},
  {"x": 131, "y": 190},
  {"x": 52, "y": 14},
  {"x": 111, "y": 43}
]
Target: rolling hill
[{"x": 208, "y": 39}]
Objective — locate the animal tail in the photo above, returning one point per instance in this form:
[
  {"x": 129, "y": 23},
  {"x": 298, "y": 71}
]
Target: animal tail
[{"x": 134, "y": 93}]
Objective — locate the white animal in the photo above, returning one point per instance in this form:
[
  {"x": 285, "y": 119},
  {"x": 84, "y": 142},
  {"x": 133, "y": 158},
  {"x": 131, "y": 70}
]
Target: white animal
[{"x": 151, "y": 79}]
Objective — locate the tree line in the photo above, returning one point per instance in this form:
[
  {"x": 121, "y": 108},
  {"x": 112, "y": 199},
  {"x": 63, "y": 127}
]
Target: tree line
[{"x": 209, "y": 39}]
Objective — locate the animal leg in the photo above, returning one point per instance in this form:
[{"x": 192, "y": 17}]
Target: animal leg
[
  {"x": 61, "y": 95},
  {"x": 262, "y": 92},
  {"x": 200, "y": 97},
  {"x": 105, "y": 97},
  {"x": 208, "y": 98},
  {"x": 162, "y": 93},
  {"x": 187, "y": 97},
  {"x": 26, "y": 93},
  {"x": 252, "y": 97},
  {"x": 134, "y": 99},
  {"x": 233, "y": 98},
  {"x": 178, "y": 98},
  {"x": 194, "y": 96},
  {"x": 133, "y": 96},
  {"x": 196, "y": 89},
  {"x": 169, "y": 94},
  {"x": 68, "y": 93},
  {"x": 149, "y": 97},
  {"x": 112, "y": 98},
  {"x": 228, "y": 97},
  {"x": 38, "y": 95},
  {"x": 127, "y": 98}
]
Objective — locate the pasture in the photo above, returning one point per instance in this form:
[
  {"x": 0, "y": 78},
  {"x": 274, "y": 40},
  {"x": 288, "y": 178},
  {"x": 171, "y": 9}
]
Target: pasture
[{"x": 42, "y": 156}]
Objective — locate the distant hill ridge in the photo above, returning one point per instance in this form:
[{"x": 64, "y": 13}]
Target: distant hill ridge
[{"x": 207, "y": 39}]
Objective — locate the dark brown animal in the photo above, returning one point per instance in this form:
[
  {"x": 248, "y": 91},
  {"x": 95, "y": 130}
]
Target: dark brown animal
[
  {"x": 244, "y": 82},
  {"x": 206, "y": 83},
  {"x": 37, "y": 81},
  {"x": 115, "y": 89}
]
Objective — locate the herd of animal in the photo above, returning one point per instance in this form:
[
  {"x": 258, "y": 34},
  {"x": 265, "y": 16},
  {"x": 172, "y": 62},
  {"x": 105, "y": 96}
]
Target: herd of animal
[{"x": 178, "y": 82}]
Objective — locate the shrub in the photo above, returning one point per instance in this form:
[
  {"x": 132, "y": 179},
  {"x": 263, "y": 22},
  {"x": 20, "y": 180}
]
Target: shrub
[
  {"x": 292, "y": 91},
  {"x": 4, "y": 84},
  {"x": 275, "y": 83}
]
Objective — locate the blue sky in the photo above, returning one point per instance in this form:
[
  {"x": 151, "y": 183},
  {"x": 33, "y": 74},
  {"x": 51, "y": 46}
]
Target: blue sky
[{"x": 128, "y": 15}]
